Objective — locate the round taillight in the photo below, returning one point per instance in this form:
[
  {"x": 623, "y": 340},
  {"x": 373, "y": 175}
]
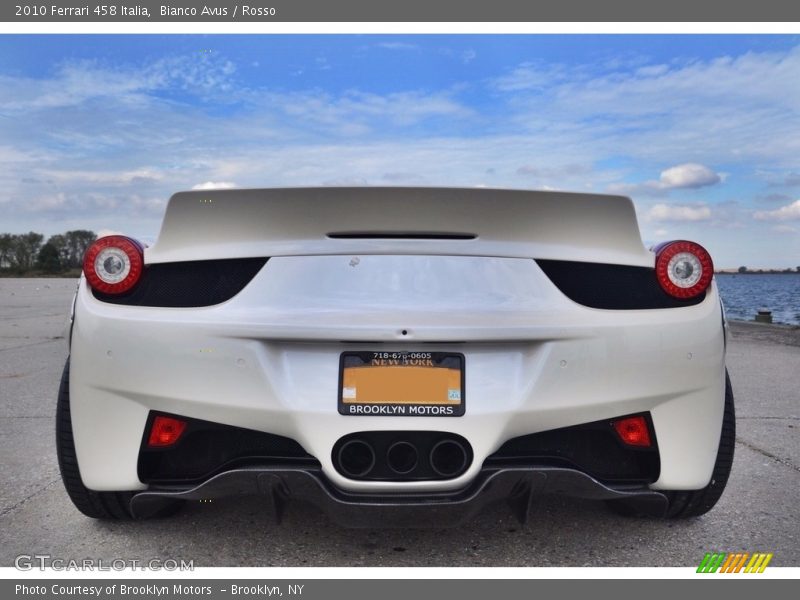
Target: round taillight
[
  {"x": 684, "y": 269},
  {"x": 113, "y": 264}
]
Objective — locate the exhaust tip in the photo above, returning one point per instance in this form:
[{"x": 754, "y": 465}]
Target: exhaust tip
[
  {"x": 356, "y": 458},
  {"x": 402, "y": 457},
  {"x": 448, "y": 458}
]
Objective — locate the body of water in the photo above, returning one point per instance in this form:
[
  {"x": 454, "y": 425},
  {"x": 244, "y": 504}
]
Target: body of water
[{"x": 744, "y": 295}]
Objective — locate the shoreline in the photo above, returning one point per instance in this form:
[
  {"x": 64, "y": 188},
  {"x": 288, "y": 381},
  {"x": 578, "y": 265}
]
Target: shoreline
[
  {"x": 764, "y": 272},
  {"x": 775, "y": 333}
]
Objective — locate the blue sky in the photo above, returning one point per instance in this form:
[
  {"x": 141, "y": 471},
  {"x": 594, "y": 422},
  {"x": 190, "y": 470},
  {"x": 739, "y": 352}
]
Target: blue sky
[{"x": 703, "y": 132}]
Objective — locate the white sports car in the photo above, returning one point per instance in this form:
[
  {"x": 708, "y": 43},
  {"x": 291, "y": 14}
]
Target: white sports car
[{"x": 395, "y": 356}]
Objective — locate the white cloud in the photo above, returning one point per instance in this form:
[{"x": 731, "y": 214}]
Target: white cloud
[
  {"x": 722, "y": 110},
  {"x": 789, "y": 212},
  {"x": 559, "y": 171},
  {"x": 48, "y": 202},
  {"x": 753, "y": 77},
  {"x": 214, "y": 185},
  {"x": 468, "y": 56},
  {"x": 152, "y": 205},
  {"x": 678, "y": 212},
  {"x": 345, "y": 182},
  {"x": 530, "y": 76},
  {"x": 652, "y": 70},
  {"x": 78, "y": 82},
  {"x": 784, "y": 229},
  {"x": 356, "y": 113},
  {"x": 688, "y": 175},
  {"x": 9, "y": 154},
  {"x": 139, "y": 177},
  {"x": 683, "y": 176},
  {"x": 401, "y": 178},
  {"x": 397, "y": 46}
]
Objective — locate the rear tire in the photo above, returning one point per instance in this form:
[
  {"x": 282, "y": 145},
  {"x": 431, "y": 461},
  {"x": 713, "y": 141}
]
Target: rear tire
[
  {"x": 693, "y": 503},
  {"x": 97, "y": 505}
]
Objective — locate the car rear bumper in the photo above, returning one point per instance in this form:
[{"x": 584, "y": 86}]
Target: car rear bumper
[
  {"x": 519, "y": 487},
  {"x": 268, "y": 360}
]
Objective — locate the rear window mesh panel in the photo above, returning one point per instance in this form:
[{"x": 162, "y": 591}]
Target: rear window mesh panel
[
  {"x": 189, "y": 284},
  {"x": 614, "y": 287}
]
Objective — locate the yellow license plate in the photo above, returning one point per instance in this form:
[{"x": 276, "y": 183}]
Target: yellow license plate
[{"x": 401, "y": 384}]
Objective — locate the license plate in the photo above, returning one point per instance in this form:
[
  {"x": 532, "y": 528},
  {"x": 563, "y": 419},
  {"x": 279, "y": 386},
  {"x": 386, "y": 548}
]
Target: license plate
[{"x": 401, "y": 384}]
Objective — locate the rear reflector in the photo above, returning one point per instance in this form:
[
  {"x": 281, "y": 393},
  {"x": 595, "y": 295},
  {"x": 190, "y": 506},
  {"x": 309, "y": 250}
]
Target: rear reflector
[
  {"x": 633, "y": 431},
  {"x": 165, "y": 431}
]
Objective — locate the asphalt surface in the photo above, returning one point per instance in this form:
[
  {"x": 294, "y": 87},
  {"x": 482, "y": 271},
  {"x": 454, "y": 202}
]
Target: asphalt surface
[{"x": 758, "y": 512}]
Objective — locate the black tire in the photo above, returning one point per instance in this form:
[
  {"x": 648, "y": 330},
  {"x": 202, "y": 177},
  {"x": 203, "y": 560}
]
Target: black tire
[
  {"x": 693, "y": 503},
  {"x": 97, "y": 505}
]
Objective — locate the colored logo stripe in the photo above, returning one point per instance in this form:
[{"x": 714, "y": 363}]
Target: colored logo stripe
[
  {"x": 711, "y": 562},
  {"x": 758, "y": 563},
  {"x": 727, "y": 564},
  {"x": 734, "y": 562},
  {"x": 702, "y": 566}
]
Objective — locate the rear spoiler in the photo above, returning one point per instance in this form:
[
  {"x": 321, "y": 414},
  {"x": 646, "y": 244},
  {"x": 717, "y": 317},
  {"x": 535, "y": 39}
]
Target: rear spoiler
[{"x": 217, "y": 224}]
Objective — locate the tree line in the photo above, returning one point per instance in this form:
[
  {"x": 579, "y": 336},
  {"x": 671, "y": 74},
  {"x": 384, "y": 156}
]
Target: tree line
[
  {"x": 745, "y": 270},
  {"x": 28, "y": 253}
]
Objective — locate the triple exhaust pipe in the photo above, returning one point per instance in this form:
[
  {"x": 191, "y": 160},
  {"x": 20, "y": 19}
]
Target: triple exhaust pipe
[{"x": 394, "y": 456}]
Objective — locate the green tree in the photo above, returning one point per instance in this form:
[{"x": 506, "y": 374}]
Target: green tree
[
  {"x": 77, "y": 241},
  {"x": 59, "y": 242},
  {"x": 25, "y": 250},
  {"x": 48, "y": 259},
  {"x": 7, "y": 250},
  {"x": 742, "y": 269}
]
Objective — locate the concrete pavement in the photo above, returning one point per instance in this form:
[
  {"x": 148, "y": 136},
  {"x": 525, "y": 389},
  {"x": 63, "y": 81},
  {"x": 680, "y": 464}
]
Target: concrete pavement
[{"x": 758, "y": 512}]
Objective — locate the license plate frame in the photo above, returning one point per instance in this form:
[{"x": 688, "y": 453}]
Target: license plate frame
[{"x": 406, "y": 370}]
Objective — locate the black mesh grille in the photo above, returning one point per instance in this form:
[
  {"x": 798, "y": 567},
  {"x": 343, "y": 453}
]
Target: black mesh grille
[
  {"x": 206, "y": 448},
  {"x": 189, "y": 284},
  {"x": 615, "y": 287},
  {"x": 593, "y": 448}
]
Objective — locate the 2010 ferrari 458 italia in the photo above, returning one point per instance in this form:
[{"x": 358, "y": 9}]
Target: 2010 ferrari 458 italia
[{"x": 395, "y": 356}]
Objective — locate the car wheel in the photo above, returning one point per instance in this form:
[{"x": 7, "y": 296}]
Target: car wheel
[
  {"x": 98, "y": 505},
  {"x": 693, "y": 503}
]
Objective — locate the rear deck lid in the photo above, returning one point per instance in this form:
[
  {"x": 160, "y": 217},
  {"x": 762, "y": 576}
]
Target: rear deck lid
[{"x": 201, "y": 225}]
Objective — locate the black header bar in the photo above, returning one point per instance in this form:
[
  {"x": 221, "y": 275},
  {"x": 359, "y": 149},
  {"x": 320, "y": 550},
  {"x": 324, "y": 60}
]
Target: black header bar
[{"x": 442, "y": 11}]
